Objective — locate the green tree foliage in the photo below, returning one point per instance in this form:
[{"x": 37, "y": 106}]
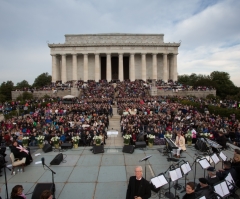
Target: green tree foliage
[
  {"x": 219, "y": 80},
  {"x": 22, "y": 84},
  {"x": 6, "y": 88},
  {"x": 2, "y": 98},
  {"x": 42, "y": 80},
  {"x": 223, "y": 84}
]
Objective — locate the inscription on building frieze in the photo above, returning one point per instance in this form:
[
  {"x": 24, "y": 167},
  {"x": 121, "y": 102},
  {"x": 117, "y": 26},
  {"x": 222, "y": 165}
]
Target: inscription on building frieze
[{"x": 114, "y": 39}]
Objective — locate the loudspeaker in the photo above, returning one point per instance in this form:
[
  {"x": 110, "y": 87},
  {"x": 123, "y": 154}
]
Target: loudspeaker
[
  {"x": 47, "y": 148},
  {"x": 40, "y": 187},
  {"x": 128, "y": 149},
  {"x": 98, "y": 149},
  {"x": 57, "y": 160},
  {"x": 66, "y": 146},
  {"x": 140, "y": 144}
]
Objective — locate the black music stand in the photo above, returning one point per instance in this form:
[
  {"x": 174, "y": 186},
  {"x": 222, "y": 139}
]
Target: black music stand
[
  {"x": 169, "y": 152},
  {"x": 174, "y": 174},
  {"x": 145, "y": 159},
  {"x": 223, "y": 157},
  {"x": 195, "y": 168},
  {"x": 204, "y": 164},
  {"x": 169, "y": 194},
  {"x": 222, "y": 189},
  {"x": 158, "y": 182},
  {"x": 215, "y": 159},
  {"x": 186, "y": 168}
]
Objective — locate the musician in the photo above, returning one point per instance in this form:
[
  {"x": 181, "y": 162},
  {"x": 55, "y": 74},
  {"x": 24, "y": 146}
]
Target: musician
[
  {"x": 180, "y": 143},
  {"x": 222, "y": 140},
  {"x": 190, "y": 191},
  {"x": 236, "y": 164},
  {"x": 20, "y": 152},
  {"x": 204, "y": 189},
  {"x": 138, "y": 187},
  {"x": 227, "y": 168},
  {"x": 212, "y": 177}
]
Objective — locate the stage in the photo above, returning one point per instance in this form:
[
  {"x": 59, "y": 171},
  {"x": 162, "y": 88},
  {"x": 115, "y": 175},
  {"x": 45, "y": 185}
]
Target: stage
[{"x": 100, "y": 176}]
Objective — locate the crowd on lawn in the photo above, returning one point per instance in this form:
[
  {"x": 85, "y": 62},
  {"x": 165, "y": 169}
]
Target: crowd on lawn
[{"x": 141, "y": 114}]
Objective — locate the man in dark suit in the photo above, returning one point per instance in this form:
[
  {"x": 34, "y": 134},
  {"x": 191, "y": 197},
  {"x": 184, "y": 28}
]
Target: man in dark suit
[{"x": 138, "y": 187}]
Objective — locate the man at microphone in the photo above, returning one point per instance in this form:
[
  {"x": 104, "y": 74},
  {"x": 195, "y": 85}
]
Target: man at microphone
[{"x": 138, "y": 187}]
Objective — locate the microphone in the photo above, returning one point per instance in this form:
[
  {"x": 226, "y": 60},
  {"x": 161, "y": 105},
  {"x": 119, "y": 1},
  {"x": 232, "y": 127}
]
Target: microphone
[{"x": 43, "y": 161}]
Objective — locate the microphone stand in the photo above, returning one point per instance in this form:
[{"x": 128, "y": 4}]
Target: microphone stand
[
  {"x": 53, "y": 172},
  {"x": 5, "y": 175},
  {"x": 145, "y": 159}
]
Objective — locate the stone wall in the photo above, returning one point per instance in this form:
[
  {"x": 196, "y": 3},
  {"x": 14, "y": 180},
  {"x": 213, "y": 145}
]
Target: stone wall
[
  {"x": 40, "y": 94},
  {"x": 186, "y": 93}
]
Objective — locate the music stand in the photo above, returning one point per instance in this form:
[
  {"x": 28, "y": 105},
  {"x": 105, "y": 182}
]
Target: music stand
[
  {"x": 158, "y": 182},
  {"x": 174, "y": 174},
  {"x": 186, "y": 168},
  {"x": 215, "y": 159},
  {"x": 230, "y": 182},
  {"x": 204, "y": 164},
  {"x": 223, "y": 157},
  {"x": 222, "y": 189},
  {"x": 145, "y": 159}
]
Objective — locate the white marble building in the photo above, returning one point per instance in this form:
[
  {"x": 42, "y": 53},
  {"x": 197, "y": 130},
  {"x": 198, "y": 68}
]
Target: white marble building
[{"x": 114, "y": 56}]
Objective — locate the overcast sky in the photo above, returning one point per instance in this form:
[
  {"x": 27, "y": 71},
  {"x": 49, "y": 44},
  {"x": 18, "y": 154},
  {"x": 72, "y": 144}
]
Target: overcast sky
[{"x": 209, "y": 31}]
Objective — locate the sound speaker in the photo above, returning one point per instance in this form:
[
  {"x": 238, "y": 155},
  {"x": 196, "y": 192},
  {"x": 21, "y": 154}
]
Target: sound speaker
[
  {"x": 140, "y": 144},
  {"x": 66, "y": 146},
  {"x": 128, "y": 149},
  {"x": 47, "y": 148},
  {"x": 39, "y": 188},
  {"x": 57, "y": 160},
  {"x": 98, "y": 149}
]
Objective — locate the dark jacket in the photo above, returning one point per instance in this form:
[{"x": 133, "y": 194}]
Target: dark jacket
[
  {"x": 205, "y": 191},
  {"x": 190, "y": 196},
  {"x": 144, "y": 190},
  {"x": 223, "y": 174}
]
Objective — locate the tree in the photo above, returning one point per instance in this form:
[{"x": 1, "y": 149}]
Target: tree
[
  {"x": 22, "y": 84},
  {"x": 223, "y": 84},
  {"x": 42, "y": 80},
  {"x": 6, "y": 88}
]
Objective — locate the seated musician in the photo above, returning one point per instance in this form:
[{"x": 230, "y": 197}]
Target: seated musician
[
  {"x": 227, "y": 168},
  {"x": 222, "y": 140},
  {"x": 236, "y": 165},
  {"x": 212, "y": 177},
  {"x": 20, "y": 152},
  {"x": 203, "y": 189},
  {"x": 180, "y": 143}
]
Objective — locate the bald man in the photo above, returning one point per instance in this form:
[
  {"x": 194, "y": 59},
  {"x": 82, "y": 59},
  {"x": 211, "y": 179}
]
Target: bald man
[{"x": 138, "y": 187}]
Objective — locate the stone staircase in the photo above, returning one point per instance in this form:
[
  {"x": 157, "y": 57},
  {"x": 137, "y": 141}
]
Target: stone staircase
[{"x": 114, "y": 124}]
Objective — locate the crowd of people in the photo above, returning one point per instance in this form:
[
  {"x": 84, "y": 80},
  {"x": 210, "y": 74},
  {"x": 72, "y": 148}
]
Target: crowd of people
[{"x": 141, "y": 115}]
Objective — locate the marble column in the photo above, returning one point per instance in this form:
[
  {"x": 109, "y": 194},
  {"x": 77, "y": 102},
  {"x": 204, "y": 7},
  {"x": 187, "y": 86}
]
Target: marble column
[
  {"x": 58, "y": 70},
  {"x": 97, "y": 67},
  {"x": 74, "y": 63},
  {"x": 120, "y": 66},
  {"x": 144, "y": 70},
  {"x": 165, "y": 73},
  {"x": 64, "y": 69},
  {"x": 132, "y": 67},
  {"x": 85, "y": 67},
  {"x": 109, "y": 68},
  {"x": 154, "y": 66},
  {"x": 54, "y": 68},
  {"x": 175, "y": 74}
]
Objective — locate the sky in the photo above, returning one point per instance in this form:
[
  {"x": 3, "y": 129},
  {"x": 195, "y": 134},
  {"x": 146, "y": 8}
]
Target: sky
[{"x": 209, "y": 31}]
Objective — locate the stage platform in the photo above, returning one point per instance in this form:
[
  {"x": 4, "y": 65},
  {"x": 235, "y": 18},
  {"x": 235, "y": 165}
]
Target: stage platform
[{"x": 97, "y": 176}]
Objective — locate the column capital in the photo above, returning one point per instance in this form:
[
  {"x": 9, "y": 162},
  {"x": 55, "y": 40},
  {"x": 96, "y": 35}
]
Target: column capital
[
  {"x": 96, "y": 53},
  {"x": 74, "y": 54},
  {"x": 175, "y": 53},
  {"x": 165, "y": 53},
  {"x": 53, "y": 54},
  {"x": 63, "y": 54},
  {"x": 143, "y": 53},
  {"x": 85, "y": 53},
  {"x": 154, "y": 53},
  {"x": 120, "y": 53}
]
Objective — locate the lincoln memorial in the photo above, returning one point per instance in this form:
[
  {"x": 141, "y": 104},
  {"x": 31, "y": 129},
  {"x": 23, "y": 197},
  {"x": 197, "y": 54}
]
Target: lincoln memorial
[{"x": 114, "y": 56}]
